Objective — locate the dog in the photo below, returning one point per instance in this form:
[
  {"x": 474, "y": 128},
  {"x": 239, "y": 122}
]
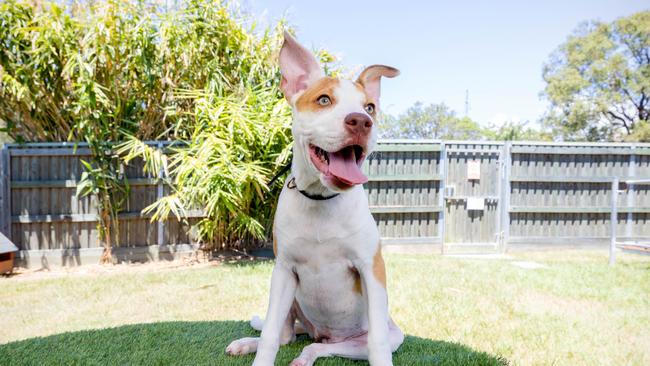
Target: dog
[{"x": 329, "y": 279}]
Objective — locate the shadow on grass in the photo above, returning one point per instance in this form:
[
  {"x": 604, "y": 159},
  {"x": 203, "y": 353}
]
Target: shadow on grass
[{"x": 202, "y": 343}]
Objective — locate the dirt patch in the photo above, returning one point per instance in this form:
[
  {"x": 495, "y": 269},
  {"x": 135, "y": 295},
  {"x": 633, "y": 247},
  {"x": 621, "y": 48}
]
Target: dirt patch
[{"x": 196, "y": 261}]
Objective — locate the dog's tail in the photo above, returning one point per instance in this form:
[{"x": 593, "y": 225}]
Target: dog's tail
[{"x": 257, "y": 323}]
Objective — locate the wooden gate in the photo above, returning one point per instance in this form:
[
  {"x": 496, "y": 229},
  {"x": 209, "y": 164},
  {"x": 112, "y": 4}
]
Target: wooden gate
[{"x": 473, "y": 187}]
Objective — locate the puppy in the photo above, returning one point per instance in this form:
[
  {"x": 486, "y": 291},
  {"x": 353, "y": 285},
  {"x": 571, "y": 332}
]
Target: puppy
[{"x": 329, "y": 278}]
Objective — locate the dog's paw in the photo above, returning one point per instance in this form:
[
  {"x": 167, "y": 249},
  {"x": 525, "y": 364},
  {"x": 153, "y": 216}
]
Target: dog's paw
[
  {"x": 307, "y": 356},
  {"x": 242, "y": 346},
  {"x": 300, "y": 362}
]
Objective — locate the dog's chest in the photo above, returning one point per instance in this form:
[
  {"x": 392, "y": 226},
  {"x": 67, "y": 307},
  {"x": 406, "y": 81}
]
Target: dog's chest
[
  {"x": 321, "y": 246},
  {"x": 330, "y": 296},
  {"x": 341, "y": 227},
  {"x": 329, "y": 286}
]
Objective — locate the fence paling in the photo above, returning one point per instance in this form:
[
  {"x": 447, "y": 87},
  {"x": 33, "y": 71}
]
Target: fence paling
[
  {"x": 5, "y": 197},
  {"x": 613, "y": 222}
]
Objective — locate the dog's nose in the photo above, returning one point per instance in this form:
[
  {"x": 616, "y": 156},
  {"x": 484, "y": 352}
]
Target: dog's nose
[{"x": 358, "y": 123}]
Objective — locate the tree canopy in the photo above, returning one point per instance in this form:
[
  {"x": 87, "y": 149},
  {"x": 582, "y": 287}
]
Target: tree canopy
[
  {"x": 439, "y": 122},
  {"x": 598, "y": 82},
  {"x": 515, "y": 131},
  {"x": 433, "y": 121}
]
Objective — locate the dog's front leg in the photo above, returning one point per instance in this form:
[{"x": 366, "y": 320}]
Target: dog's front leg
[
  {"x": 374, "y": 288},
  {"x": 283, "y": 291}
]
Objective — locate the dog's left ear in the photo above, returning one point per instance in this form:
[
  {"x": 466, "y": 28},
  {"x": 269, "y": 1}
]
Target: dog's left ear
[
  {"x": 298, "y": 67},
  {"x": 370, "y": 79}
]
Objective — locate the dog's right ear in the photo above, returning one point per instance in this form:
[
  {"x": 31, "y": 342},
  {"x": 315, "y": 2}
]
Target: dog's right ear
[{"x": 298, "y": 67}]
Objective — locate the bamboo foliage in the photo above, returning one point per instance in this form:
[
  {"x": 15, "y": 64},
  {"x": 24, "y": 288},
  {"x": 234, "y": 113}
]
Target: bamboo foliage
[
  {"x": 238, "y": 142},
  {"x": 121, "y": 72}
]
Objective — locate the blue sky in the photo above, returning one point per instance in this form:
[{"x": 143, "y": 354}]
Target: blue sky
[{"x": 493, "y": 49}]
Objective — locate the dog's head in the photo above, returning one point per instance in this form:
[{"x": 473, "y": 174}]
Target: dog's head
[{"x": 334, "y": 126}]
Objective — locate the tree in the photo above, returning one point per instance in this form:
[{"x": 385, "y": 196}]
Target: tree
[
  {"x": 434, "y": 121},
  {"x": 598, "y": 81},
  {"x": 515, "y": 131}
]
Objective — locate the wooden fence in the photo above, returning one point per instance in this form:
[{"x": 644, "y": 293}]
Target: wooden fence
[{"x": 460, "y": 195}]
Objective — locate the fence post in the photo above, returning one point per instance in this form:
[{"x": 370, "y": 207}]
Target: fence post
[
  {"x": 159, "y": 195},
  {"x": 442, "y": 168},
  {"x": 613, "y": 222},
  {"x": 5, "y": 193},
  {"x": 629, "y": 200},
  {"x": 504, "y": 200}
]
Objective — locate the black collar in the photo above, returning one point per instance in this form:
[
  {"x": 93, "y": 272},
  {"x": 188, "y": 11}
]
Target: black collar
[{"x": 291, "y": 184}]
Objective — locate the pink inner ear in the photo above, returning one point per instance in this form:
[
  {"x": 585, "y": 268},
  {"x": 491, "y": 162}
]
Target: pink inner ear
[
  {"x": 372, "y": 89},
  {"x": 298, "y": 67},
  {"x": 371, "y": 76},
  {"x": 297, "y": 85}
]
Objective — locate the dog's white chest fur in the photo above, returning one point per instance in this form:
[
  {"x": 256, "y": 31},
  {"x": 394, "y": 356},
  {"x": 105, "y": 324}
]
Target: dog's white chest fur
[{"x": 320, "y": 242}]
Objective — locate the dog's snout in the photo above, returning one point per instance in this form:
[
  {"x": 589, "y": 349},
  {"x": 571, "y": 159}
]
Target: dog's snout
[{"x": 358, "y": 123}]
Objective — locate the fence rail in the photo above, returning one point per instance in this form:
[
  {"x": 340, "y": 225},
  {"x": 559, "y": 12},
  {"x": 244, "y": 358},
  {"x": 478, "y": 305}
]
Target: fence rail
[{"x": 460, "y": 195}]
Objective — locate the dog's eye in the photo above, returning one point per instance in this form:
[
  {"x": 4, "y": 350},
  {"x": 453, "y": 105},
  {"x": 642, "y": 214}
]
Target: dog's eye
[
  {"x": 324, "y": 100},
  {"x": 370, "y": 108}
]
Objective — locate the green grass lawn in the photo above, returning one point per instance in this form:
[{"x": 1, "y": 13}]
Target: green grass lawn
[{"x": 574, "y": 310}]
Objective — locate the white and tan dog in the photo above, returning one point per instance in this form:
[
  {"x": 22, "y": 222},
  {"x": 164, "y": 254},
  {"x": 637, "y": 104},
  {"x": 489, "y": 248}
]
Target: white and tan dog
[{"x": 329, "y": 273}]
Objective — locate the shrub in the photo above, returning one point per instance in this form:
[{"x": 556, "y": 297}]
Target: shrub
[
  {"x": 120, "y": 72},
  {"x": 239, "y": 140}
]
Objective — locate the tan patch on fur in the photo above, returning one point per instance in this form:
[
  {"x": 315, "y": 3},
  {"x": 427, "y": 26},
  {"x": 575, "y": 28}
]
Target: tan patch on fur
[
  {"x": 378, "y": 267},
  {"x": 275, "y": 242},
  {"x": 308, "y": 101},
  {"x": 275, "y": 246},
  {"x": 360, "y": 88},
  {"x": 357, "y": 281}
]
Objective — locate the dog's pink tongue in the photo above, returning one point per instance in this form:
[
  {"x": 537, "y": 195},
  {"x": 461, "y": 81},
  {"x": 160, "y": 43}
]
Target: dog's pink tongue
[{"x": 343, "y": 165}]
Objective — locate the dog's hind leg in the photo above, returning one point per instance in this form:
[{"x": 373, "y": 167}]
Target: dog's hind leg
[
  {"x": 249, "y": 344},
  {"x": 353, "y": 348}
]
